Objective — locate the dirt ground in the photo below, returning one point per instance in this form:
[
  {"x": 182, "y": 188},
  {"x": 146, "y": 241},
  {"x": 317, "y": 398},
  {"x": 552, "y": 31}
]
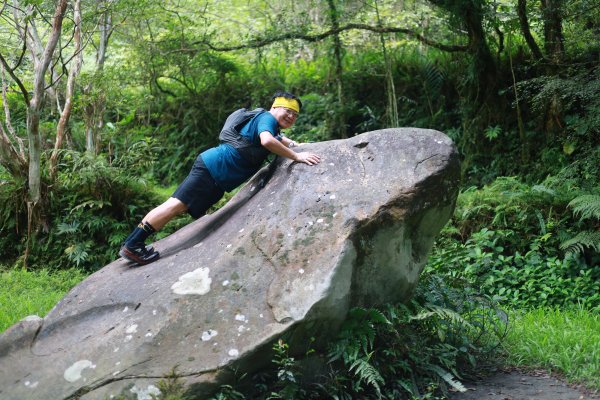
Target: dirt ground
[{"x": 519, "y": 385}]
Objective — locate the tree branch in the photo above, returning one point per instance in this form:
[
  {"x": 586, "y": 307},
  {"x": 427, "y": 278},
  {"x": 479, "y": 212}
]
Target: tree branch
[
  {"x": 262, "y": 42},
  {"x": 16, "y": 79}
]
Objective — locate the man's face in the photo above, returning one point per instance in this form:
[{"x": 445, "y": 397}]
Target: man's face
[{"x": 284, "y": 116}]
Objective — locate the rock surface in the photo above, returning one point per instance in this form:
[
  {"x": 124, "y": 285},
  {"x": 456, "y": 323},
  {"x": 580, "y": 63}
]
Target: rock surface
[{"x": 286, "y": 258}]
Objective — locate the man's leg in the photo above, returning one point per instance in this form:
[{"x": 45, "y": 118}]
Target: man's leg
[
  {"x": 162, "y": 214},
  {"x": 134, "y": 248}
]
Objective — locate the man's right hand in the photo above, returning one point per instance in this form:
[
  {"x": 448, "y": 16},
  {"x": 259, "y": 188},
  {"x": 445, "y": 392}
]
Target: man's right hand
[{"x": 308, "y": 158}]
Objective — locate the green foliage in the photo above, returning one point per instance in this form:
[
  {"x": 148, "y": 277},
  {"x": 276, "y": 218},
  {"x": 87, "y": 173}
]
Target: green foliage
[
  {"x": 287, "y": 386},
  {"x": 506, "y": 238},
  {"x": 416, "y": 349},
  {"x": 586, "y": 207},
  {"x": 355, "y": 347},
  {"x": 171, "y": 387},
  {"x": 32, "y": 292},
  {"x": 93, "y": 204}
]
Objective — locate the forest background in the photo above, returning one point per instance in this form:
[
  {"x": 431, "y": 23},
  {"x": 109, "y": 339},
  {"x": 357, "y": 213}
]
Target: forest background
[{"x": 107, "y": 103}]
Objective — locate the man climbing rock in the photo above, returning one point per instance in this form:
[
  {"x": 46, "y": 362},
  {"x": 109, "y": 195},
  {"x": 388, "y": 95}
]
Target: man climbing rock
[{"x": 247, "y": 138}]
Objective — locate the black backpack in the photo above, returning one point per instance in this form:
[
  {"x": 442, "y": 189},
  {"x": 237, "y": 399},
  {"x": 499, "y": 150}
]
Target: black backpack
[{"x": 230, "y": 134}]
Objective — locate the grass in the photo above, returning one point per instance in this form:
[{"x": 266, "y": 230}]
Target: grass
[
  {"x": 33, "y": 292},
  {"x": 564, "y": 341}
]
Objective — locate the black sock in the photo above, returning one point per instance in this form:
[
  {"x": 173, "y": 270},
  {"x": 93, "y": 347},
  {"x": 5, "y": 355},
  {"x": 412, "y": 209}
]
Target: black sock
[{"x": 139, "y": 235}]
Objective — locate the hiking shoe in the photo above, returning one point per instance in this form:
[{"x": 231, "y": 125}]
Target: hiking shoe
[{"x": 139, "y": 255}]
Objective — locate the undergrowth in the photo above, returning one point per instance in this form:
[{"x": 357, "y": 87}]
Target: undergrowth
[
  {"x": 512, "y": 240},
  {"x": 94, "y": 203}
]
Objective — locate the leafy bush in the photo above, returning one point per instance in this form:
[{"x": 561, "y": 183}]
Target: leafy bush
[
  {"x": 91, "y": 208},
  {"x": 506, "y": 239}
]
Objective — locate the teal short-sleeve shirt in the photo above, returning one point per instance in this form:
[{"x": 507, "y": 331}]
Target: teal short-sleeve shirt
[{"x": 224, "y": 162}]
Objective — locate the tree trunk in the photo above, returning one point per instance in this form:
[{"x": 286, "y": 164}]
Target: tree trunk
[
  {"x": 526, "y": 32},
  {"x": 555, "y": 51},
  {"x": 35, "y": 106},
  {"x": 73, "y": 73},
  {"x": 392, "y": 102},
  {"x": 483, "y": 61},
  {"x": 12, "y": 159},
  {"x": 94, "y": 110},
  {"x": 339, "y": 118},
  {"x": 553, "y": 36}
]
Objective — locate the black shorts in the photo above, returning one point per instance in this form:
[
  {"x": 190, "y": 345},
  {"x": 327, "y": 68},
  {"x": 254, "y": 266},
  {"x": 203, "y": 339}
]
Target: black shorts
[{"x": 198, "y": 191}]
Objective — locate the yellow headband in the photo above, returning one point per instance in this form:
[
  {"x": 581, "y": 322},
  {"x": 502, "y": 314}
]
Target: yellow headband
[{"x": 292, "y": 104}]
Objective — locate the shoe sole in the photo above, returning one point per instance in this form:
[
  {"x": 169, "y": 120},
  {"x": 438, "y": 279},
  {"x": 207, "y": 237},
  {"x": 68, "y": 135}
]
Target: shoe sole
[{"x": 129, "y": 256}]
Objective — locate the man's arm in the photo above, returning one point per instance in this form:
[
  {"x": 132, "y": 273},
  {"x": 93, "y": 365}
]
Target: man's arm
[{"x": 275, "y": 146}]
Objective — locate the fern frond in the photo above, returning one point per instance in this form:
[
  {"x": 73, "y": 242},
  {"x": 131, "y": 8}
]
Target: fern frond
[
  {"x": 448, "y": 377},
  {"x": 67, "y": 228},
  {"x": 441, "y": 312},
  {"x": 365, "y": 372},
  {"x": 581, "y": 241},
  {"x": 586, "y": 206},
  {"x": 434, "y": 77}
]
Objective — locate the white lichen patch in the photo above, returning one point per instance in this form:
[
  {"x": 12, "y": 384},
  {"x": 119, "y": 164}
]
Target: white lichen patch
[
  {"x": 131, "y": 328},
  {"x": 225, "y": 282},
  {"x": 126, "y": 309},
  {"x": 229, "y": 245},
  {"x": 31, "y": 385},
  {"x": 209, "y": 334},
  {"x": 332, "y": 197},
  {"x": 115, "y": 350},
  {"x": 233, "y": 352},
  {"x": 320, "y": 220},
  {"x": 149, "y": 334},
  {"x": 128, "y": 338},
  {"x": 153, "y": 312},
  {"x": 73, "y": 373},
  {"x": 145, "y": 394},
  {"x": 301, "y": 271},
  {"x": 198, "y": 245},
  {"x": 241, "y": 328},
  {"x": 241, "y": 230},
  {"x": 241, "y": 317},
  {"x": 195, "y": 282}
]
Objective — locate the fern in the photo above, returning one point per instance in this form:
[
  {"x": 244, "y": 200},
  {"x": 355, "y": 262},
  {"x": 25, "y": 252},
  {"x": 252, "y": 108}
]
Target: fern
[
  {"x": 448, "y": 377},
  {"x": 432, "y": 310},
  {"x": 365, "y": 372},
  {"x": 581, "y": 241},
  {"x": 586, "y": 206},
  {"x": 65, "y": 228}
]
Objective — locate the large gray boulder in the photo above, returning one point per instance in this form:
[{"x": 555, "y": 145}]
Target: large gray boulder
[{"x": 290, "y": 254}]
